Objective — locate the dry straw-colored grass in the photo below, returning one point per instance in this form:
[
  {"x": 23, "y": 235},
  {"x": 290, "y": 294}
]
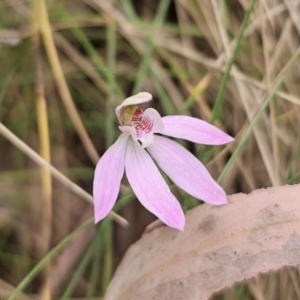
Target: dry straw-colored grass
[{"x": 65, "y": 66}]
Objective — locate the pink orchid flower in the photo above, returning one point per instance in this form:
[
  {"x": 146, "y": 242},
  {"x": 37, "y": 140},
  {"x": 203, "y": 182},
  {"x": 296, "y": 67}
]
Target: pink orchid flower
[{"x": 133, "y": 151}]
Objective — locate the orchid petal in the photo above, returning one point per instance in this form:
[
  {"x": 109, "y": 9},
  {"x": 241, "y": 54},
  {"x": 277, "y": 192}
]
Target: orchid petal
[
  {"x": 157, "y": 126},
  {"x": 194, "y": 130},
  {"x": 186, "y": 171},
  {"x": 108, "y": 174},
  {"x": 133, "y": 100},
  {"x": 151, "y": 123},
  {"x": 150, "y": 187},
  {"x": 129, "y": 130}
]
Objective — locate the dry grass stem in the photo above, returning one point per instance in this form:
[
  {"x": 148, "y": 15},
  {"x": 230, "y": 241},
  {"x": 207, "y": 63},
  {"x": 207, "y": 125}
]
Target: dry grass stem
[
  {"x": 46, "y": 33},
  {"x": 55, "y": 173}
]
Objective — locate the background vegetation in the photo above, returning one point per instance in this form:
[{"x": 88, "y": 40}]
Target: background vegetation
[{"x": 65, "y": 65}]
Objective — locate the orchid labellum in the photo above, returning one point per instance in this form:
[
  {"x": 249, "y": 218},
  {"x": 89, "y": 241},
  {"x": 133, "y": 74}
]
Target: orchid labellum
[{"x": 134, "y": 150}]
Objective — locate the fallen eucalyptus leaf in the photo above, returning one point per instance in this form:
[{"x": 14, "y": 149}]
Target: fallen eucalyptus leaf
[{"x": 221, "y": 245}]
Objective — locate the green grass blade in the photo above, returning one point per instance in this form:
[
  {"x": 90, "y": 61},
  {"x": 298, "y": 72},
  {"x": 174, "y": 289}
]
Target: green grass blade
[
  {"x": 217, "y": 110},
  {"x": 98, "y": 61},
  {"x": 147, "y": 58},
  {"x": 22, "y": 285},
  {"x": 248, "y": 133},
  {"x": 95, "y": 270},
  {"x": 110, "y": 111},
  {"x": 79, "y": 271},
  {"x": 108, "y": 257},
  {"x": 129, "y": 10},
  {"x": 163, "y": 96}
]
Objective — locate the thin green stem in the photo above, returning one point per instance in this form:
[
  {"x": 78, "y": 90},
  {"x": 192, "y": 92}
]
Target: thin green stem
[
  {"x": 218, "y": 107},
  {"x": 95, "y": 269},
  {"x": 277, "y": 82},
  {"x": 108, "y": 257},
  {"x": 111, "y": 53},
  {"x": 102, "y": 68},
  {"x": 129, "y": 10},
  {"x": 163, "y": 95},
  {"x": 248, "y": 133},
  {"x": 79, "y": 271},
  {"x": 149, "y": 47}
]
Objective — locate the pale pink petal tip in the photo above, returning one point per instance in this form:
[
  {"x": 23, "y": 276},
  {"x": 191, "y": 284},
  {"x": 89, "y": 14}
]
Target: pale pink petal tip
[
  {"x": 179, "y": 224},
  {"x": 108, "y": 174},
  {"x": 186, "y": 171},
  {"x": 194, "y": 130},
  {"x": 220, "y": 199},
  {"x": 150, "y": 188}
]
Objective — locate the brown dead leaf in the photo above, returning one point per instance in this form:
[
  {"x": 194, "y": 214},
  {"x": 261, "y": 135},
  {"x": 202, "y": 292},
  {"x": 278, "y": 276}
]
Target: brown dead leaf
[{"x": 221, "y": 245}]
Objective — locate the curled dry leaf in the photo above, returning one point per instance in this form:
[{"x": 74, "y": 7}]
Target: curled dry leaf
[{"x": 221, "y": 245}]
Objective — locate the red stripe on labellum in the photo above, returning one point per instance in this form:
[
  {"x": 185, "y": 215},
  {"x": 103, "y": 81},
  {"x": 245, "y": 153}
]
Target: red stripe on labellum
[{"x": 142, "y": 126}]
